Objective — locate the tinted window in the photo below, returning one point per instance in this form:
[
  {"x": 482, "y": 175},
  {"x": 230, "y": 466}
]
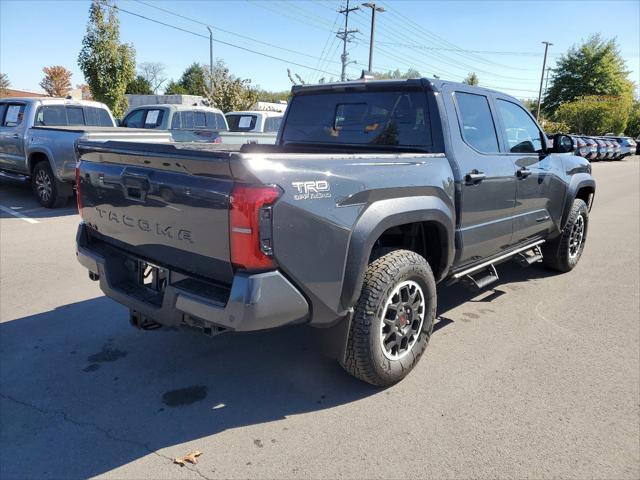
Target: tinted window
[
  {"x": 478, "y": 129},
  {"x": 241, "y": 123},
  {"x": 153, "y": 118},
  {"x": 359, "y": 118},
  {"x": 272, "y": 124},
  {"x": 75, "y": 116},
  {"x": 13, "y": 116},
  {"x": 215, "y": 121},
  {"x": 51, "y": 116},
  {"x": 134, "y": 120},
  {"x": 199, "y": 120},
  {"x": 97, "y": 117},
  {"x": 520, "y": 131}
]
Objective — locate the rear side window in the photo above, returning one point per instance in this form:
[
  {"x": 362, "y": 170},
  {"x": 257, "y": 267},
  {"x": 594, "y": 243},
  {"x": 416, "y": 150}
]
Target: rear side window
[
  {"x": 520, "y": 131},
  {"x": 478, "y": 129},
  {"x": 242, "y": 123},
  {"x": 196, "y": 119},
  {"x": 387, "y": 118}
]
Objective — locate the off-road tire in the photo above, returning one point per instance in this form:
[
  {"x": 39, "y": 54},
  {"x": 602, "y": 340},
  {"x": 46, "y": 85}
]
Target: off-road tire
[
  {"x": 365, "y": 358},
  {"x": 556, "y": 253},
  {"x": 49, "y": 196}
]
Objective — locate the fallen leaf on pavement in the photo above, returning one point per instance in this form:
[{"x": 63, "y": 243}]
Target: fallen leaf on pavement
[{"x": 189, "y": 458}]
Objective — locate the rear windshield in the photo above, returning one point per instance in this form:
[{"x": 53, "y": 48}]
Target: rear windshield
[
  {"x": 64, "y": 116},
  {"x": 392, "y": 118},
  {"x": 241, "y": 123},
  {"x": 198, "y": 119}
]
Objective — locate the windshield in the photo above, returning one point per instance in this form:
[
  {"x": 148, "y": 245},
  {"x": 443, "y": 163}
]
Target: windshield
[{"x": 377, "y": 118}]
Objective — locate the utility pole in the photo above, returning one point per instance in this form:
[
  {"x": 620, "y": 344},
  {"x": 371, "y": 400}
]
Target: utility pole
[
  {"x": 210, "y": 58},
  {"x": 546, "y": 80},
  {"x": 544, "y": 64},
  {"x": 374, "y": 9},
  {"x": 345, "y": 36}
]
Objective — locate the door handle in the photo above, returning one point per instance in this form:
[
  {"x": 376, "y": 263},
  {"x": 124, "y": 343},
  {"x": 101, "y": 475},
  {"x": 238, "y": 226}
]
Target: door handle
[
  {"x": 16, "y": 135},
  {"x": 523, "y": 172},
  {"x": 474, "y": 177}
]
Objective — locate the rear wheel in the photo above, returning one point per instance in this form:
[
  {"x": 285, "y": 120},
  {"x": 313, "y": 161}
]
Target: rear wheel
[
  {"x": 393, "y": 319},
  {"x": 46, "y": 187},
  {"x": 564, "y": 252}
]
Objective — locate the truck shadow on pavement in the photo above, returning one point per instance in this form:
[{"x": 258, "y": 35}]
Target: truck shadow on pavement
[
  {"x": 19, "y": 198},
  {"x": 82, "y": 393}
]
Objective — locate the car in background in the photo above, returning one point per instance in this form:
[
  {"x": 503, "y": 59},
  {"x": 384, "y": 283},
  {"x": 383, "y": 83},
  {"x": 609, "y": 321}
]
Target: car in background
[
  {"x": 627, "y": 146},
  {"x": 581, "y": 146},
  {"x": 186, "y": 123},
  {"x": 254, "y": 121},
  {"x": 38, "y": 137},
  {"x": 592, "y": 148},
  {"x": 637, "y": 140},
  {"x": 602, "y": 149}
]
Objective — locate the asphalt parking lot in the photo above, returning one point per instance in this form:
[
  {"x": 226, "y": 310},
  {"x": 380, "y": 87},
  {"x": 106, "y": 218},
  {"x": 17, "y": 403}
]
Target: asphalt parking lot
[{"x": 538, "y": 377}]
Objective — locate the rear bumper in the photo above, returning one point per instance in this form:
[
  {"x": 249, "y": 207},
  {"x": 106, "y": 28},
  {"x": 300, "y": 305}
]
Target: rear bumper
[{"x": 254, "y": 302}]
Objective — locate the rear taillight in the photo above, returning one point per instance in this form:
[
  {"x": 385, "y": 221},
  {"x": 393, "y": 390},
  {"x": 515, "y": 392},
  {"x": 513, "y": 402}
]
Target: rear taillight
[
  {"x": 78, "y": 196},
  {"x": 250, "y": 226}
]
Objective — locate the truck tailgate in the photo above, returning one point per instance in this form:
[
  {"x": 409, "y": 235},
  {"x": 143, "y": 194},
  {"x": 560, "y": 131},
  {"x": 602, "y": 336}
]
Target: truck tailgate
[{"x": 166, "y": 205}]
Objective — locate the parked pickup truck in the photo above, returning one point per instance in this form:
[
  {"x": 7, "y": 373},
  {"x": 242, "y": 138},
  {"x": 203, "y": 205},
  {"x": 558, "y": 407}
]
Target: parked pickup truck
[
  {"x": 37, "y": 139},
  {"x": 374, "y": 192},
  {"x": 252, "y": 126}
]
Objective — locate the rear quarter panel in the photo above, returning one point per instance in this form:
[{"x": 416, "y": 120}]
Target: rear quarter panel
[{"x": 324, "y": 197}]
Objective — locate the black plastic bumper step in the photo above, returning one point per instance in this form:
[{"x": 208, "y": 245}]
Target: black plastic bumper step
[
  {"x": 482, "y": 278},
  {"x": 529, "y": 257}
]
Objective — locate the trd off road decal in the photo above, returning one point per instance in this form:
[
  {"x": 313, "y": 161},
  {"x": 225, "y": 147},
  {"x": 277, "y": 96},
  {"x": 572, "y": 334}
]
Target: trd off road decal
[{"x": 311, "y": 190}]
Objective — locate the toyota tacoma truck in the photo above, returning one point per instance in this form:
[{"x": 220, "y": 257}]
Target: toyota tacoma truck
[
  {"x": 37, "y": 141},
  {"x": 374, "y": 192}
]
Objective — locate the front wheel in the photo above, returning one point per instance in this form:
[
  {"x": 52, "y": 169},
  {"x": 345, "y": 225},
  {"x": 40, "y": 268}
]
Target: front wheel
[
  {"x": 393, "y": 319},
  {"x": 563, "y": 253},
  {"x": 45, "y": 186}
]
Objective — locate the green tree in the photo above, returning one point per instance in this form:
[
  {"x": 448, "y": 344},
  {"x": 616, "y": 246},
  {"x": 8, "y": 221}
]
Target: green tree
[
  {"x": 108, "y": 65},
  {"x": 633, "y": 125},
  {"x": 140, "y": 86},
  {"x": 471, "y": 79},
  {"x": 4, "y": 84},
  {"x": 595, "y": 114},
  {"x": 397, "y": 74},
  {"x": 193, "y": 79},
  {"x": 174, "y": 88},
  {"x": 273, "y": 97},
  {"x": 593, "y": 68},
  {"x": 229, "y": 92}
]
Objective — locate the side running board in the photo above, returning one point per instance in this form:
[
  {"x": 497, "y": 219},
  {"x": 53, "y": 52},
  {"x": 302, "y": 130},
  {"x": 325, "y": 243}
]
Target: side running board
[{"x": 485, "y": 273}]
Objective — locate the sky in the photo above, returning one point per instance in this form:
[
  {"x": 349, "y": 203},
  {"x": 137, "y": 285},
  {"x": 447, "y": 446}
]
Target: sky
[{"x": 499, "y": 40}]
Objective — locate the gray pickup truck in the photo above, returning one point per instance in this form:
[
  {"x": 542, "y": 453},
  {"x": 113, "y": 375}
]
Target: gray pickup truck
[
  {"x": 374, "y": 192},
  {"x": 37, "y": 141}
]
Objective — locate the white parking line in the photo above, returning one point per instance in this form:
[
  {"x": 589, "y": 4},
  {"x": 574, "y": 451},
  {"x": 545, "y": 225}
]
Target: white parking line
[{"x": 18, "y": 214}]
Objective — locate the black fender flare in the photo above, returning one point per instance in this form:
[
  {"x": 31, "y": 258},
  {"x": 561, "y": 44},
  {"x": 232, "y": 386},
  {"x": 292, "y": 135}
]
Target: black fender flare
[
  {"x": 578, "y": 182},
  {"x": 379, "y": 217}
]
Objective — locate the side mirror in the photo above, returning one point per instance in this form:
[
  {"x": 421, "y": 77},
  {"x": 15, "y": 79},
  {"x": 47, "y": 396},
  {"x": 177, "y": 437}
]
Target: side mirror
[{"x": 563, "y": 143}]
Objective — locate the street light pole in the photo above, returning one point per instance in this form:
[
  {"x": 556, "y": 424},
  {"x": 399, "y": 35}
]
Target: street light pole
[
  {"x": 544, "y": 64},
  {"x": 374, "y": 9},
  {"x": 210, "y": 58}
]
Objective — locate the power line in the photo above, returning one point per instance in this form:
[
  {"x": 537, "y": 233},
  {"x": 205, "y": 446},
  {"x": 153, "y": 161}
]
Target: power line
[
  {"x": 345, "y": 35},
  {"x": 199, "y": 22},
  {"x": 217, "y": 40}
]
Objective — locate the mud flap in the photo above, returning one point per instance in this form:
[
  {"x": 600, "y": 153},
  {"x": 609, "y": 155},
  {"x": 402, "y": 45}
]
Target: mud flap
[{"x": 333, "y": 340}]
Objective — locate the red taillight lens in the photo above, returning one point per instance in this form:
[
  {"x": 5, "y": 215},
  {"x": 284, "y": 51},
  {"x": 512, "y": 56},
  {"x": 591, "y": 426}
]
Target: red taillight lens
[
  {"x": 251, "y": 247},
  {"x": 78, "y": 196}
]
